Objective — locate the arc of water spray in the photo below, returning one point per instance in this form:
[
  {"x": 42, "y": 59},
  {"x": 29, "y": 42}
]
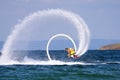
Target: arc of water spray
[
  {"x": 58, "y": 35},
  {"x": 79, "y": 24}
]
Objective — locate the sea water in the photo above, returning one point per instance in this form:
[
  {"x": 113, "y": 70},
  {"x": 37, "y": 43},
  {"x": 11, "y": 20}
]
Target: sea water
[{"x": 93, "y": 65}]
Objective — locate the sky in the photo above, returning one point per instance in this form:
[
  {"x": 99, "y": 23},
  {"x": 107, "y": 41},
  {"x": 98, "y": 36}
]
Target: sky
[{"x": 101, "y": 16}]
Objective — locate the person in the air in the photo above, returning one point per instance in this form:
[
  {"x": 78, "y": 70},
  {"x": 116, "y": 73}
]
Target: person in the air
[{"x": 71, "y": 52}]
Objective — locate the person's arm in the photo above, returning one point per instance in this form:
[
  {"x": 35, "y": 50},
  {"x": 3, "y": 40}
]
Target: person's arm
[{"x": 69, "y": 55}]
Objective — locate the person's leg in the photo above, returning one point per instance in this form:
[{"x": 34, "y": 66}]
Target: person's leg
[
  {"x": 75, "y": 56},
  {"x": 72, "y": 56}
]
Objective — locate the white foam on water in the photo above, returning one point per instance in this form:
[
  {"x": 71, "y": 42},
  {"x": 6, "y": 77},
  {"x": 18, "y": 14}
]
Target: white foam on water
[{"x": 28, "y": 61}]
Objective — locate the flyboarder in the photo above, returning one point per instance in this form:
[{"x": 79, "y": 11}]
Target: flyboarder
[{"x": 71, "y": 52}]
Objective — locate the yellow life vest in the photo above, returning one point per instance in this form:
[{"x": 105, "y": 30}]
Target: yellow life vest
[{"x": 72, "y": 51}]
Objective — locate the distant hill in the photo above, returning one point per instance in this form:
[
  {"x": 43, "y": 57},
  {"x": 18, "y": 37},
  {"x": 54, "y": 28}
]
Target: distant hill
[
  {"x": 98, "y": 43},
  {"x": 111, "y": 47}
]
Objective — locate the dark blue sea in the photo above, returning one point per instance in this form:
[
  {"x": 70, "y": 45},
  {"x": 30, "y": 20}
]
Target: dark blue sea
[{"x": 93, "y": 65}]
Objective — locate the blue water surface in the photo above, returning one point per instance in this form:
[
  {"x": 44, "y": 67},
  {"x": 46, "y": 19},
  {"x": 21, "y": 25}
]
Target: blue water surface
[{"x": 104, "y": 65}]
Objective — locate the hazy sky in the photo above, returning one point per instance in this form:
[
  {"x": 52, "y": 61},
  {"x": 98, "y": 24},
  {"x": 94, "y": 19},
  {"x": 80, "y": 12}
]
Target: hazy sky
[{"x": 101, "y": 16}]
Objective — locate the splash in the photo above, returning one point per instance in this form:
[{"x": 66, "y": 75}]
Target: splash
[
  {"x": 53, "y": 62},
  {"x": 76, "y": 20},
  {"x": 58, "y": 35}
]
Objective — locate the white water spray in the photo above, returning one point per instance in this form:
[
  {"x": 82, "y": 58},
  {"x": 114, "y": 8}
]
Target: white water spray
[
  {"x": 76, "y": 20},
  {"x": 59, "y": 35}
]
